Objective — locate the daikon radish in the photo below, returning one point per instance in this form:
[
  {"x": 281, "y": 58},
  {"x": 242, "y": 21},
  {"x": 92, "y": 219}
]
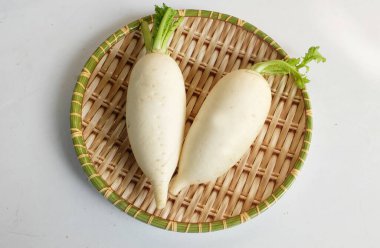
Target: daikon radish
[
  {"x": 230, "y": 119},
  {"x": 156, "y": 105}
]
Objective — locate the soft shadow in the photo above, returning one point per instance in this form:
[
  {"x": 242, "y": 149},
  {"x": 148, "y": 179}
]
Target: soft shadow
[{"x": 67, "y": 83}]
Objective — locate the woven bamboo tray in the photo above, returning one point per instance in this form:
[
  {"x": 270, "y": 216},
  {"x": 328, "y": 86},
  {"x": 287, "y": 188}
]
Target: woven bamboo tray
[{"x": 206, "y": 46}]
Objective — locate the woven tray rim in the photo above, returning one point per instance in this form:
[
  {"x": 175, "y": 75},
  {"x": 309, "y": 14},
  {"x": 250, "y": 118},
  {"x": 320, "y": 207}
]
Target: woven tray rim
[{"x": 96, "y": 180}]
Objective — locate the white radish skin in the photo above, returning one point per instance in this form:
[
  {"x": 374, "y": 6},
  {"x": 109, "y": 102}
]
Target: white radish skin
[
  {"x": 226, "y": 125},
  {"x": 155, "y": 114}
]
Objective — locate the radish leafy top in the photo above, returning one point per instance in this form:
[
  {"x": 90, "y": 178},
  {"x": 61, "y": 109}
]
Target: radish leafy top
[
  {"x": 164, "y": 24},
  {"x": 291, "y": 66}
]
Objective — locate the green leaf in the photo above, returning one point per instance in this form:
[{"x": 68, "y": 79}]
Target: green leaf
[
  {"x": 166, "y": 23},
  {"x": 169, "y": 33},
  {"x": 291, "y": 66},
  {"x": 160, "y": 12},
  {"x": 293, "y": 61},
  {"x": 311, "y": 55}
]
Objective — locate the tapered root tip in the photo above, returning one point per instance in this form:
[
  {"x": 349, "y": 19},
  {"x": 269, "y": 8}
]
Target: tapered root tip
[
  {"x": 176, "y": 185},
  {"x": 160, "y": 194}
]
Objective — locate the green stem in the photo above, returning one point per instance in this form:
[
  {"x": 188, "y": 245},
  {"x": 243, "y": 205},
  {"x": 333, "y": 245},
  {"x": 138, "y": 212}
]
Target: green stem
[
  {"x": 262, "y": 67},
  {"x": 147, "y": 36},
  {"x": 291, "y": 66}
]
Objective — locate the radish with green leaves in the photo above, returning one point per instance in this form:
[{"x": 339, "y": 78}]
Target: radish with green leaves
[
  {"x": 156, "y": 105},
  {"x": 230, "y": 119}
]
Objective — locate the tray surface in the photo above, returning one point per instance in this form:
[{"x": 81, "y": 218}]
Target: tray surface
[{"x": 206, "y": 46}]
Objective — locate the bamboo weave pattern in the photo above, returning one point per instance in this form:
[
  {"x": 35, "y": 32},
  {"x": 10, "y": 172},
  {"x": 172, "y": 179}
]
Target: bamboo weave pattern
[{"x": 206, "y": 46}]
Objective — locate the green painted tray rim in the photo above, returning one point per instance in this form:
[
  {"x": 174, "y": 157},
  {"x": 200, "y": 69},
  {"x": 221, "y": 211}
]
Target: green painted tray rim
[{"x": 96, "y": 180}]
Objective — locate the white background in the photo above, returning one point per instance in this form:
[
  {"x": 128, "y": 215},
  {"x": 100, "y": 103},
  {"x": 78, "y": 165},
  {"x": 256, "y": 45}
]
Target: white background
[{"x": 46, "y": 200}]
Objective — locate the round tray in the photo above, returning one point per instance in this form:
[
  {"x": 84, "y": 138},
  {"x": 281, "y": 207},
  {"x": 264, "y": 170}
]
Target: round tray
[{"x": 206, "y": 46}]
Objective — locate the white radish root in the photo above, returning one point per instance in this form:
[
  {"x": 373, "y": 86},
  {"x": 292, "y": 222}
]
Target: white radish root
[
  {"x": 224, "y": 128},
  {"x": 156, "y": 105},
  {"x": 231, "y": 117}
]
